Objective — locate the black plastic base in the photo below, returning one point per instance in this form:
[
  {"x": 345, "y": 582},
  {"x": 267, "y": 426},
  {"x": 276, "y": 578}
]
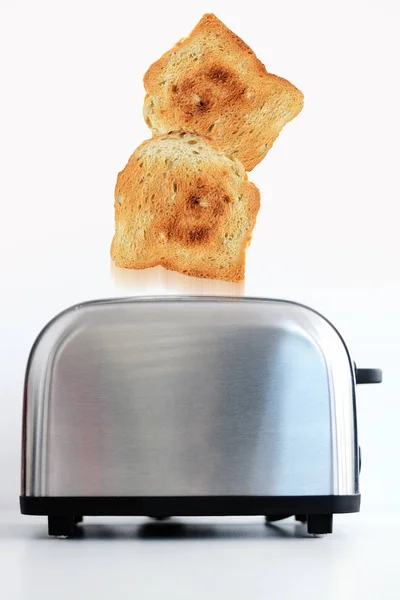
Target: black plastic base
[
  {"x": 188, "y": 505},
  {"x": 65, "y": 512}
]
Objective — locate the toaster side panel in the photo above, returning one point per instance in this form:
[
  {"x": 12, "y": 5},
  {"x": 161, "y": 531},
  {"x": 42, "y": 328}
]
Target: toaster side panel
[
  {"x": 196, "y": 397},
  {"x": 38, "y": 400}
]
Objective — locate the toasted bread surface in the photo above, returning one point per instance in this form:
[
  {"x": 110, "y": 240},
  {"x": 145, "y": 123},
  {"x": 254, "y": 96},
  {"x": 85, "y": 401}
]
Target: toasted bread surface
[
  {"x": 212, "y": 83},
  {"x": 180, "y": 202}
]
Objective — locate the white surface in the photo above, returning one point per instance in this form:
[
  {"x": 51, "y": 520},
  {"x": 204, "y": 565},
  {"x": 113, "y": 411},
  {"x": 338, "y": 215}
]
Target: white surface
[
  {"x": 204, "y": 558},
  {"x": 327, "y": 235}
]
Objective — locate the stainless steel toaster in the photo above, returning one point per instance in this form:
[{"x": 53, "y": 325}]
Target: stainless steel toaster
[{"x": 183, "y": 406}]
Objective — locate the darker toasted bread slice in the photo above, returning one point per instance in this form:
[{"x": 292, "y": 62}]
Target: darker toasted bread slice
[{"x": 212, "y": 83}]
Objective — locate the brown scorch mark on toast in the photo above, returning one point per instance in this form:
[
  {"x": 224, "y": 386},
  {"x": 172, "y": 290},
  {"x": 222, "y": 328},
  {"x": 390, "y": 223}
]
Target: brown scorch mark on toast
[
  {"x": 182, "y": 203},
  {"x": 212, "y": 83}
]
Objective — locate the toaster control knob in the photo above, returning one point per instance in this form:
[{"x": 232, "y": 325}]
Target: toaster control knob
[{"x": 368, "y": 375}]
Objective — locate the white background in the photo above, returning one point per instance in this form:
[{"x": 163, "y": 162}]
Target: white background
[{"x": 327, "y": 234}]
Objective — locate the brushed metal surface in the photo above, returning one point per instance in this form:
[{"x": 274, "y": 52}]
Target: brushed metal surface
[{"x": 189, "y": 396}]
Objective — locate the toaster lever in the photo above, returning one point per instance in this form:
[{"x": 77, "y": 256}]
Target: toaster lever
[{"x": 368, "y": 375}]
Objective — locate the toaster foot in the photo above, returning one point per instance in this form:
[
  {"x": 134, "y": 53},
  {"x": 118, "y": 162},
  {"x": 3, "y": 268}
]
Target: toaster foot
[
  {"x": 61, "y": 526},
  {"x": 319, "y": 524}
]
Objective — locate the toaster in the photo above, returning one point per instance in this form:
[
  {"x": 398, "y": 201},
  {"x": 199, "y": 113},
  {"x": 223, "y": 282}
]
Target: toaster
[{"x": 189, "y": 406}]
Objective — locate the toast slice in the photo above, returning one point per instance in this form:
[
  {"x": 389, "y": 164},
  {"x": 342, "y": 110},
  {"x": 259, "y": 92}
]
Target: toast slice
[
  {"x": 212, "y": 83},
  {"x": 180, "y": 202}
]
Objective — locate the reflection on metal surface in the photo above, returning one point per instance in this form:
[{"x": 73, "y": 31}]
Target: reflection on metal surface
[{"x": 189, "y": 396}]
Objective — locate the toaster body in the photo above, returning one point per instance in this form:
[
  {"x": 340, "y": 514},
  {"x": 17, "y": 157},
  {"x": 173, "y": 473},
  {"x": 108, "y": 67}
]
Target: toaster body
[{"x": 190, "y": 406}]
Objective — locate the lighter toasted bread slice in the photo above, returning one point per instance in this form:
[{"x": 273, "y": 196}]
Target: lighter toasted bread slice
[
  {"x": 182, "y": 203},
  {"x": 212, "y": 83}
]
